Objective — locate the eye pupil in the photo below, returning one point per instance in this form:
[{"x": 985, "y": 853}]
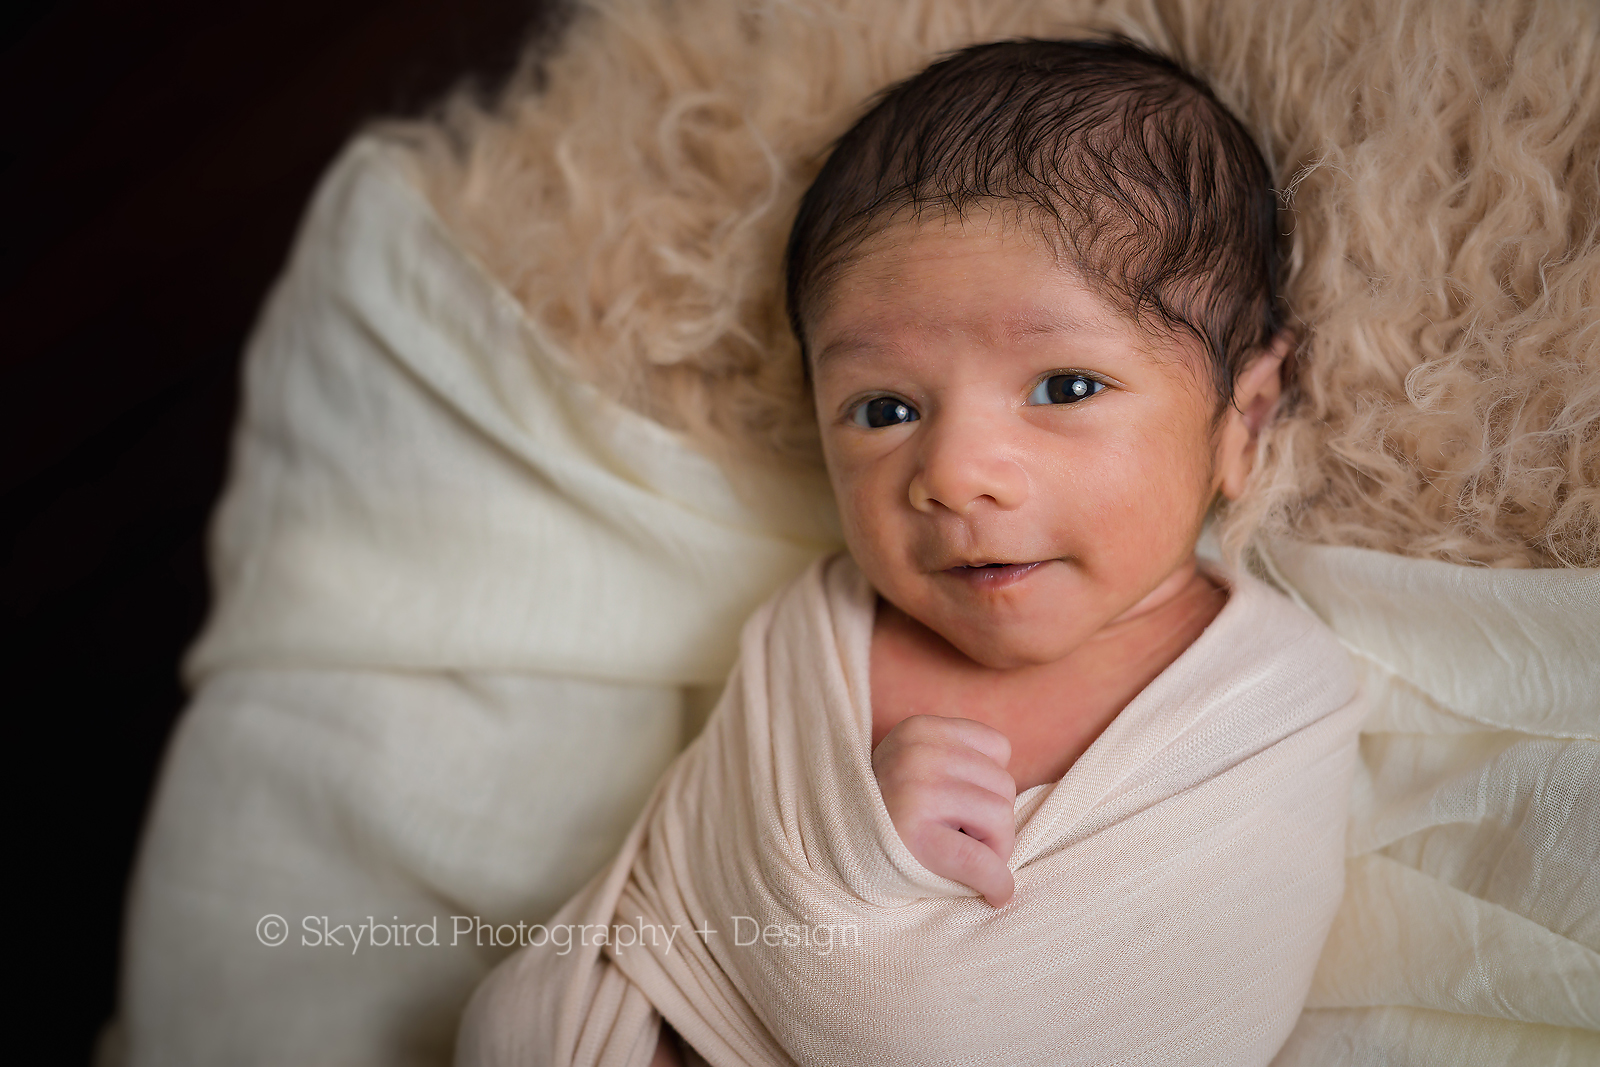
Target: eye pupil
[
  {"x": 1067, "y": 388},
  {"x": 888, "y": 411}
]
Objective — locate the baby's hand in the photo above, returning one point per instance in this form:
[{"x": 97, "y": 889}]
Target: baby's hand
[{"x": 945, "y": 784}]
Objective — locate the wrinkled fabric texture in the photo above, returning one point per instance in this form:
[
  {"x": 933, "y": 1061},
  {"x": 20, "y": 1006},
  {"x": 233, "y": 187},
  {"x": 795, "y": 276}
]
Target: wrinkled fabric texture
[
  {"x": 1172, "y": 890},
  {"x": 420, "y": 482},
  {"x": 462, "y": 605},
  {"x": 1470, "y": 927}
]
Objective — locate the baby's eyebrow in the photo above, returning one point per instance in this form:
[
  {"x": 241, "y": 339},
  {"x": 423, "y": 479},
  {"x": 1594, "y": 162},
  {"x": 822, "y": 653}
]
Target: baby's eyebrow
[
  {"x": 851, "y": 343},
  {"x": 1044, "y": 323},
  {"x": 1041, "y": 322}
]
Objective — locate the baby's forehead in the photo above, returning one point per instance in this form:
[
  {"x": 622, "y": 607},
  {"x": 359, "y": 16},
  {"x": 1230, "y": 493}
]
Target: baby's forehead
[{"x": 998, "y": 270}]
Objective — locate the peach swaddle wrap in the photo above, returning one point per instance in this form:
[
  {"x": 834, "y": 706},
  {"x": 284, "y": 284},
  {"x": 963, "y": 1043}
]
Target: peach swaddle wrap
[{"x": 1173, "y": 890}]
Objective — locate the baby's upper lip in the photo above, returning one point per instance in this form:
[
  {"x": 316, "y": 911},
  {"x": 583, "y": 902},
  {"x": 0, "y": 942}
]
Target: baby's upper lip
[{"x": 983, "y": 561}]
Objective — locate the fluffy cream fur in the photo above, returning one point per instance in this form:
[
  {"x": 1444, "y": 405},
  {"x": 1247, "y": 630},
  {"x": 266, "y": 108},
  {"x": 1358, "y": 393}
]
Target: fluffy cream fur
[{"x": 1439, "y": 165}]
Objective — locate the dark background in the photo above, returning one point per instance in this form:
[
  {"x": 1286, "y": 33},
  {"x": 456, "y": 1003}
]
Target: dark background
[{"x": 154, "y": 160}]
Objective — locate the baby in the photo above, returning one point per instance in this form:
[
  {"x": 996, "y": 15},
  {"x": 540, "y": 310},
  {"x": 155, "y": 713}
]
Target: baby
[{"x": 1034, "y": 290}]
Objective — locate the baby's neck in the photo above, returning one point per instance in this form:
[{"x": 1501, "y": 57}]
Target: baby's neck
[{"x": 1052, "y": 712}]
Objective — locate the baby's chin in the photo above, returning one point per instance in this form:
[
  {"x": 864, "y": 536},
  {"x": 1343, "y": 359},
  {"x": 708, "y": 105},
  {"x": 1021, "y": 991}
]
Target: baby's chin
[
  {"x": 1001, "y": 651},
  {"x": 1003, "y": 644}
]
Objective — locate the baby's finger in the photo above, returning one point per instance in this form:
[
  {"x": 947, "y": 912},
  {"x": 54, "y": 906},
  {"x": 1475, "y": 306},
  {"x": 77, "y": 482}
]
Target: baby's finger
[
  {"x": 916, "y": 767},
  {"x": 977, "y": 813},
  {"x": 982, "y": 815},
  {"x": 973, "y": 767},
  {"x": 968, "y": 732},
  {"x": 964, "y": 859}
]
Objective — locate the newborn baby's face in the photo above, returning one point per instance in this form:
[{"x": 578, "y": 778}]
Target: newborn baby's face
[{"x": 1016, "y": 464}]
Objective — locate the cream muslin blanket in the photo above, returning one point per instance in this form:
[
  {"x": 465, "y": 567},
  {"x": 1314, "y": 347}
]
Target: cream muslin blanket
[
  {"x": 1172, "y": 890},
  {"x": 1470, "y": 928},
  {"x": 463, "y": 603}
]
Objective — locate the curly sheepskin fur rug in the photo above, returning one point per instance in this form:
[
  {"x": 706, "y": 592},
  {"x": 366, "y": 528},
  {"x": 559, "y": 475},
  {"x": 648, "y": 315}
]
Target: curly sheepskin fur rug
[{"x": 634, "y": 183}]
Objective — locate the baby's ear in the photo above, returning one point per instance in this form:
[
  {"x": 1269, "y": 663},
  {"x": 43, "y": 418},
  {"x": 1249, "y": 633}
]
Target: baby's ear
[{"x": 1255, "y": 397}]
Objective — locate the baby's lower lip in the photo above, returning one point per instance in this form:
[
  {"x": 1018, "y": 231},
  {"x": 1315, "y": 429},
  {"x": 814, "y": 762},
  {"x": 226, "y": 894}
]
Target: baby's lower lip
[{"x": 994, "y": 575}]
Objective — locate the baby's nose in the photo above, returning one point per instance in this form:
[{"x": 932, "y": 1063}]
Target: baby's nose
[{"x": 967, "y": 463}]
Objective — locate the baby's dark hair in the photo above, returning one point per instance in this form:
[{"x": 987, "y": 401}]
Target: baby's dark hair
[{"x": 1142, "y": 179}]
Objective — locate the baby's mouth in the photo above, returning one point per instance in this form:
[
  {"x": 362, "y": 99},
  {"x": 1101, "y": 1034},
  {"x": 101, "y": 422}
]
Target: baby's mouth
[{"x": 993, "y": 575}]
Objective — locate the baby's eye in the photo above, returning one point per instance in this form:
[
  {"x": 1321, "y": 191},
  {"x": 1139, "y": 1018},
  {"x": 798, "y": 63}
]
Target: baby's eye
[
  {"x": 883, "y": 411},
  {"x": 1064, "y": 389}
]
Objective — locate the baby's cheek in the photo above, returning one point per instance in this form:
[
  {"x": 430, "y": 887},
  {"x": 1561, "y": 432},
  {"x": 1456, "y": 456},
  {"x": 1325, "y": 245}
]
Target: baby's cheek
[
  {"x": 1175, "y": 470},
  {"x": 1144, "y": 510},
  {"x": 871, "y": 531}
]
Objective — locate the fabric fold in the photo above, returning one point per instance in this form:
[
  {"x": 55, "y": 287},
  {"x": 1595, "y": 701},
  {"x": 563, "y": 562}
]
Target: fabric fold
[
  {"x": 422, "y": 481},
  {"x": 1470, "y": 928},
  {"x": 463, "y": 604},
  {"x": 1173, "y": 889}
]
